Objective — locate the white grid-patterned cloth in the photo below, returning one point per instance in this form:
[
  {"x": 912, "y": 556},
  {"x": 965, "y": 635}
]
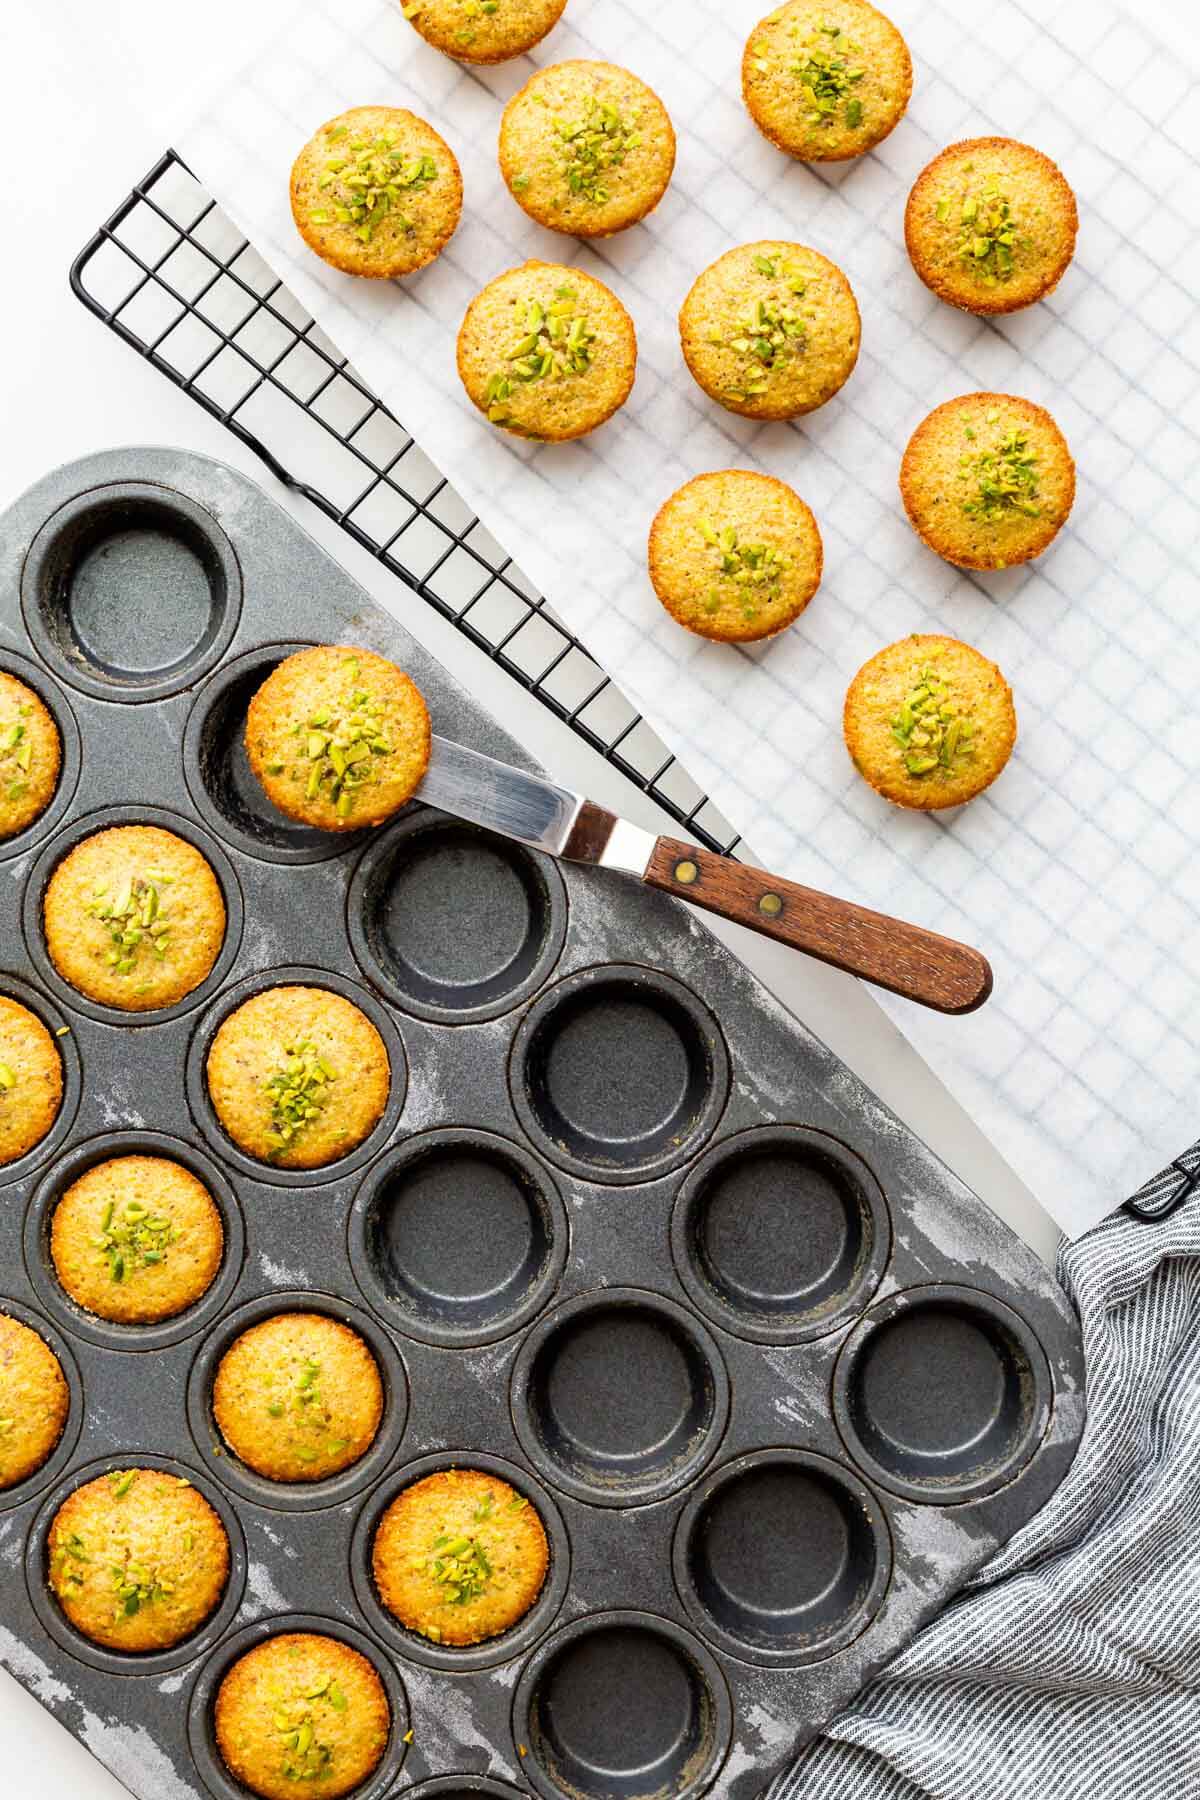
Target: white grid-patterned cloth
[{"x": 1072, "y": 872}]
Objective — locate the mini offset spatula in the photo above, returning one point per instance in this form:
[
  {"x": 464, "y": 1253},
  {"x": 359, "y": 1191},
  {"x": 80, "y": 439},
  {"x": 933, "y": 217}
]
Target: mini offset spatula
[{"x": 935, "y": 971}]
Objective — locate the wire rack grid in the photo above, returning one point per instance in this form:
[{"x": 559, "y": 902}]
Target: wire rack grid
[{"x": 177, "y": 282}]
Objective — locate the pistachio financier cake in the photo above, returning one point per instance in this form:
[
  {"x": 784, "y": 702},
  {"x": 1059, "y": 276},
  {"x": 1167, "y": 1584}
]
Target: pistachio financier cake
[
  {"x": 298, "y": 1397},
  {"x": 990, "y": 225},
  {"x": 770, "y": 330},
  {"x": 987, "y": 480},
  {"x": 459, "y": 1556},
  {"x": 483, "y": 31},
  {"x": 338, "y": 737},
  {"x": 547, "y": 352},
  {"x": 34, "y": 1401},
  {"x": 138, "y": 1559},
  {"x": 30, "y": 756},
  {"x": 376, "y": 191},
  {"x": 31, "y": 1080},
  {"x": 134, "y": 917},
  {"x": 301, "y": 1713},
  {"x": 136, "y": 1239},
  {"x": 929, "y": 722},
  {"x": 298, "y": 1076},
  {"x": 826, "y": 79},
  {"x": 735, "y": 555},
  {"x": 586, "y": 148}
]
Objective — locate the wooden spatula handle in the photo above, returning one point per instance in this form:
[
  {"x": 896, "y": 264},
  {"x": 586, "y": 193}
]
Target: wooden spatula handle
[{"x": 920, "y": 965}]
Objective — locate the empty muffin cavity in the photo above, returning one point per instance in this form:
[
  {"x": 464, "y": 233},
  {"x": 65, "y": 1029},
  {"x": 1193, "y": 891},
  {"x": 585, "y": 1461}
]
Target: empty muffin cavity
[
  {"x": 782, "y": 1557},
  {"x": 131, "y": 591},
  {"x": 458, "y": 1237},
  {"x": 781, "y": 1234},
  {"x": 455, "y": 925},
  {"x": 622, "y": 1706},
  {"x": 942, "y": 1394},
  {"x": 619, "y": 1396},
  {"x": 619, "y": 1073}
]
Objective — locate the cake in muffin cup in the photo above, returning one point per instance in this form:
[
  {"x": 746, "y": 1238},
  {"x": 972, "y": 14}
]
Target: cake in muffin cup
[
  {"x": 547, "y": 352},
  {"x": 987, "y": 480},
  {"x": 34, "y": 1401},
  {"x": 298, "y": 1397},
  {"x": 138, "y": 1559},
  {"x": 483, "y": 31},
  {"x": 30, "y": 756},
  {"x": 338, "y": 737},
  {"x": 31, "y": 1080},
  {"x": 990, "y": 225},
  {"x": 929, "y": 722},
  {"x": 826, "y": 79},
  {"x": 134, "y": 918},
  {"x": 735, "y": 555},
  {"x": 301, "y": 1713},
  {"x": 770, "y": 330},
  {"x": 376, "y": 191},
  {"x": 136, "y": 1239},
  {"x": 459, "y": 1556},
  {"x": 586, "y": 148},
  {"x": 298, "y": 1076}
]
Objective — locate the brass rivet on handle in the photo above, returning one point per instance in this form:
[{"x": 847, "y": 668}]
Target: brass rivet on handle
[
  {"x": 686, "y": 872},
  {"x": 771, "y": 905}
]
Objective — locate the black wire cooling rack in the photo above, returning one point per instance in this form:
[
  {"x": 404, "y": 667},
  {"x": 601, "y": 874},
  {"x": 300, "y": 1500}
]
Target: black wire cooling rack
[{"x": 177, "y": 281}]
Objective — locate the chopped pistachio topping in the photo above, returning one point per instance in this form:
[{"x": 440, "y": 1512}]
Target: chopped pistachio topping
[
  {"x": 8, "y": 1079},
  {"x": 471, "y": 10},
  {"x": 122, "y": 1480},
  {"x": 459, "y": 1564},
  {"x": 294, "y": 1394},
  {"x": 592, "y": 145},
  {"x": 987, "y": 231},
  {"x": 306, "y": 1757},
  {"x": 298, "y": 1090},
  {"x": 16, "y": 754},
  {"x": 70, "y": 1550},
  {"x": 772, "y": 331},
  {"x": 746, "y": 573},
  {"x": 135, "y": 1585},
  {"x": 367, "y": 180},
  {"x": 828, "y": 68},
  {"x": 136, "y": 915},
  {"x": 931, "y": 729},
  {"x": 334, "y": 752},
  {"x": 551, "y": 343},
  {"x": 1003, "y": 480},
  {"x": 131, "y": 1237}
]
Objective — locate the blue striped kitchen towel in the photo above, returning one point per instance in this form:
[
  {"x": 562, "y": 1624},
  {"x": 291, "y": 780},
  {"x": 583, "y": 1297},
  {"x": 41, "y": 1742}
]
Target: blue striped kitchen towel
[{"x": 1070, "y": 1668}]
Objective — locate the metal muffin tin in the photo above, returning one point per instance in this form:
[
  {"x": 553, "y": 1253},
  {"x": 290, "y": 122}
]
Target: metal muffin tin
[{"x": 626, "y": 1234}]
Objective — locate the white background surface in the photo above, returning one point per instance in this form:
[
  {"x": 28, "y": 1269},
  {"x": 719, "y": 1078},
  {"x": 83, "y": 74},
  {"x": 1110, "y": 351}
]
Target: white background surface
[{"x": 72, "y": 77}]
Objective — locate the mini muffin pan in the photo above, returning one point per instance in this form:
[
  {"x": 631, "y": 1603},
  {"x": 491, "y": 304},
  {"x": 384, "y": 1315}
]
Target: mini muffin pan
[{"x": 626, "y": 1235}]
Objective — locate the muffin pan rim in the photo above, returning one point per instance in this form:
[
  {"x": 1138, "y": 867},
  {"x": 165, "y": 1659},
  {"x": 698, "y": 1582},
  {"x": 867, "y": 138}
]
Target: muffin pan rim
[
  {"x": 111, "y": 1334},
  {"x": 560, "y": 996},
  {"x": 43, "y": 544},
  {"x": 505, "y": 1646},
  {"x": 326, "y": 845},
  {"x": 53, "y": 696},
  {"x": 854, "y": 1299},
  {"x": 413, "y": 821},
  {"x": 856, "y": 1489},
  {"x": 682, "y": 1639},
  {"x": 220, "y": 1658},
  {"x": 414, "y": 1149},
  {"x": 268, "y": 1494},
  {"x": 135, "y": 1663},
  {"x": 58, "y": 847},
  {"x": 949, "y": 1491},
  {"x": 33, "y": 1485},
  {"x": 603, "y": 1298},
  {"x": 204, "y": 1113}
]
